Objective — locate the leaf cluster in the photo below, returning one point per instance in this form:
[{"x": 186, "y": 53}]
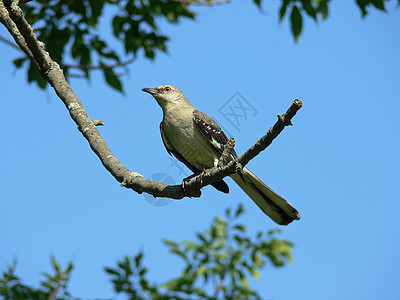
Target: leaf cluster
[
  {"x": 316, "y": 10},
  {"x": 51, "y": 287},
  {"x": 70, "y": 30},
  {"x": 218, "y": 264}
]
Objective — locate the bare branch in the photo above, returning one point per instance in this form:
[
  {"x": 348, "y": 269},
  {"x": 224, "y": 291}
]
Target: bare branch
[
  {"x": 101, "y": 67},
  {"x": 273, "y": 132},
  {"x": 4, "y": 40},
  {"x": 218, "y": 173},
  {"x": 51, "y": 71}
]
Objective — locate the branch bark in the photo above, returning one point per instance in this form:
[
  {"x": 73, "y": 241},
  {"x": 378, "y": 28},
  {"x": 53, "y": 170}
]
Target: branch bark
[{"x": 11, "y": 16}]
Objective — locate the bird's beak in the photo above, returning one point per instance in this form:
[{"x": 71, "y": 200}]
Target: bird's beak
[{"x": 151, "y": 91}]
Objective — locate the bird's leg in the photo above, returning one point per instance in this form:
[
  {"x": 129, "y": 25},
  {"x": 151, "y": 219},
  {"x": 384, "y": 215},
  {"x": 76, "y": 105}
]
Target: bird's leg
[
  {"x": 227, "y": 154},
  {"x": 195, "y": 174},
  {"x": 191, "y": 176},
  {"x": 186, "y": 179},
  {"x": 239, "y": 169}
]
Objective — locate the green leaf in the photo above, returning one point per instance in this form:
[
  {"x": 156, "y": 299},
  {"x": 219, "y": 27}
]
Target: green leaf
[
  {"x": 362, "y": 4},
  {"x": 282, "y": 10},
  {"x": 170, "y": 243},
  {"x": 138, "y": 259},
  {"x": 296, "y": 21},
  {"x": 258, "y": 3},
  {"x": 34, "y": 76},
  {"x": 228, "y": 212},
  {"x": 112, "y": 272},
  {"x": 69, "y": 267},
  {"x": 179, "y": 253},
  {"x": 142, "y": 272},
  {"x": 254, "y": 272},
  {"x": 202, "y": 238},
  {"x": 55, "y": 265},
  {"x": 274, "y": 231},
  {"x": 202, "y": 270},
  {"x": 96, "y": 10},
  {"x": 47, "y": 285},
  {"x": 379, "y": 4},
  {"x": 323, "y": 9},
  {"x": 112, "y": 80},
  {"x": 245, "y": 282},
  {"x": 18, "y": 62},
  {"x": 239, "y": 210},
  {"x": 49, "y": 277},
  {"x": 240, "y": 227},
  {"x": 126, "y": 265},
  {"x": 219, "y": 245},
  {"x": 309, "y": 8}
]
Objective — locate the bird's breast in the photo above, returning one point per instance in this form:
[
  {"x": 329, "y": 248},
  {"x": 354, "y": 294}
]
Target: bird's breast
[{"x": 186, "y": 138}]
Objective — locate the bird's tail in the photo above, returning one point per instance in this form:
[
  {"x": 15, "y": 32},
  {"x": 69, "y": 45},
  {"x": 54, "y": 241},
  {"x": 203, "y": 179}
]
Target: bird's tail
[{"x": 273, "y": 205}]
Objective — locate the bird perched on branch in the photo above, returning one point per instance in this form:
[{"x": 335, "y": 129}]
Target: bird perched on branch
[{"x": 195, "y": 139}]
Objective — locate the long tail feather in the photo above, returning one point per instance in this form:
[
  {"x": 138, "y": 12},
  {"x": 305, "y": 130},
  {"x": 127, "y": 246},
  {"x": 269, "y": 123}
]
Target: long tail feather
[{"x": 273, "y": 205}]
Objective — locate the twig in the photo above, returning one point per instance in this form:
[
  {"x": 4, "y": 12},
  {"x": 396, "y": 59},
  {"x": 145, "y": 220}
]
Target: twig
[
  {"x": 50, "y": 70},
  {"x": 218, "y": 288},
  {"x": 273, "y": 132},
  {"x": 102, "y": 67},
  {"x": 4, "y": 40},
  {"x": 218, "y": 173},
  {"x": 56, "y": 289}
]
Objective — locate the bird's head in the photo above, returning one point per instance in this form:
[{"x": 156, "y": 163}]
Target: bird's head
[{"x": 167, "y": 94}]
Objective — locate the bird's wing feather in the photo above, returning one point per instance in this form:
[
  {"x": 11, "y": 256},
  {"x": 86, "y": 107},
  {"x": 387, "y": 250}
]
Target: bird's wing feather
[
  {"x": 211, "y": 131},
  {"x": 219, "y": 185},
  {"x": 273, "y": 205}
]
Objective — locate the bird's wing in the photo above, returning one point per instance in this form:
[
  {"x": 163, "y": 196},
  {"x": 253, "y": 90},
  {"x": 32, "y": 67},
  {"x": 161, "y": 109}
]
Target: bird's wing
[
  {"x": 211, "y": 131},
  {"x": 219, "y": 185}
]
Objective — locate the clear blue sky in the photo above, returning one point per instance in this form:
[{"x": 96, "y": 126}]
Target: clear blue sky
[{"x": 339, "y": 164}]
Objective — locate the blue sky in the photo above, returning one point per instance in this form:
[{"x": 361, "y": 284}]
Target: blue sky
[{"x": 338, "y": 165}]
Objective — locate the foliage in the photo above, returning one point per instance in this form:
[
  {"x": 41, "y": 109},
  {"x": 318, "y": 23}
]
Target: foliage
[
  {"x": 70, "y": 30},
  {"x": 216, "y": 265},
  {"x": 72, "y": 27},
  {"x": 12, "y": 288},
  {"x": 317, "y": 9}
]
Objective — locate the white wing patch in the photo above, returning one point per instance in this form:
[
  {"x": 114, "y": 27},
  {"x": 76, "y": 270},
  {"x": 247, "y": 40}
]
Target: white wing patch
[{"x": 216, "y": 144}]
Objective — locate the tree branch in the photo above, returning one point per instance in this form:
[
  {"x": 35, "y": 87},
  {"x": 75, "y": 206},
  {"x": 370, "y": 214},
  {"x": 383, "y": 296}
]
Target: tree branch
[
  {"x": 218, "y": 173},
  {"x": 56, "y": 289},
  {"x": 51, "y": 71},
  {"x": 101, "y": 67},
  {"x": 9, "y": 43},
  {"x": 13, "y": 30}
]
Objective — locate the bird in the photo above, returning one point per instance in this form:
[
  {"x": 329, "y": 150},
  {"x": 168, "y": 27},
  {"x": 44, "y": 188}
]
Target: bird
[{"x": 196, "y": 140}]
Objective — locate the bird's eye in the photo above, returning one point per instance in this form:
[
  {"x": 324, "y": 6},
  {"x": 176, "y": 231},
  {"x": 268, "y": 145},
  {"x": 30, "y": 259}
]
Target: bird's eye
[{"x": 167, "y": 89}]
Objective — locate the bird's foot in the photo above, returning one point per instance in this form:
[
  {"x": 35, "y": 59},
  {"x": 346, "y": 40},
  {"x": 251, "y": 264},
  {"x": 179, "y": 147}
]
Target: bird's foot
[
  {"x": 186, "y": 180},
  {"x": 238, "y": 167}
]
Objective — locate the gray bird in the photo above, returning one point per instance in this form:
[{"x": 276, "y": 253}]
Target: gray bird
[{"x": 195, "y": 139}]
